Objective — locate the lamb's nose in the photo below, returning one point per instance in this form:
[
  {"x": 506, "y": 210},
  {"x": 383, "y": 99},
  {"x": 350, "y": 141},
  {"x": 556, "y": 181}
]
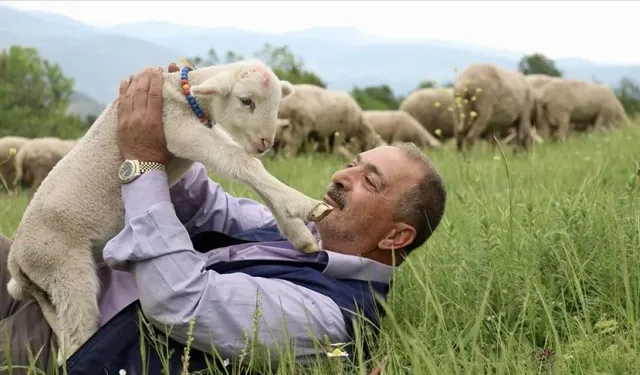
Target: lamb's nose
[{"x": 266, "y": 143}]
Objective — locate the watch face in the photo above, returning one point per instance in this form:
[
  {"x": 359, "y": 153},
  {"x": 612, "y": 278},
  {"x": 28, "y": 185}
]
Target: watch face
[{"x": 127, "y": 170}]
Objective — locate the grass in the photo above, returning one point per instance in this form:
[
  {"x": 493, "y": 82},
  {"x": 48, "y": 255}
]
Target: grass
[{"x": 533, "y": 270}]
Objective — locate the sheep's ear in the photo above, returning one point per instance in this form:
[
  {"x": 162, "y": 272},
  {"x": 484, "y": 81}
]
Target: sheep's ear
[
  {"x": 287, "y": 88},
  {"x": 219, "y": 84}
]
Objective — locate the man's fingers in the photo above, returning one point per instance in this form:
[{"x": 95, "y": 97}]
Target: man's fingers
[
  {"x": 124, "y": 85},
  {"x": 173, "y": 67},
  {"x": 141, "y": 84},
  {"x": 154, "y": 102}
]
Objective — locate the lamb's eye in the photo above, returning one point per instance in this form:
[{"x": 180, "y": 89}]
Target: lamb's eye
[{"x": 246, "y": 101}]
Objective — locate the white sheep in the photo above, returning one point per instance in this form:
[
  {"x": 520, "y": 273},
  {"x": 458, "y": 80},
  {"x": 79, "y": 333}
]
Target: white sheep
[{"x": 78, "y": 207}]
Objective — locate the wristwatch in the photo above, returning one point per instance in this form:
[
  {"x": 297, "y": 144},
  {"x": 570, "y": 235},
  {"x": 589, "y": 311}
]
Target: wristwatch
[{"x": 131, "y": 169}]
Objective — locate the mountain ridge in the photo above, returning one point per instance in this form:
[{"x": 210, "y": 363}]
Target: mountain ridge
[{"x": 98, "y": 57}]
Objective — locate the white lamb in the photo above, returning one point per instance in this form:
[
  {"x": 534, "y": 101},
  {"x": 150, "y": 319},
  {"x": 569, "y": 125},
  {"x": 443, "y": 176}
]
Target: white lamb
[{"x": 78, "y": 207}]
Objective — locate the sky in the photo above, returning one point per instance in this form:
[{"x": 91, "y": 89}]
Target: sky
[{"x": 600, "y": 31}]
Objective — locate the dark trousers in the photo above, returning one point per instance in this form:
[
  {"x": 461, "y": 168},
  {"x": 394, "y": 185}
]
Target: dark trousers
[{"x": 25, "y": 334}]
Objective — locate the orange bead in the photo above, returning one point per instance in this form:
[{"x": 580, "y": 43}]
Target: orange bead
[{"x": 185, "y": 86}]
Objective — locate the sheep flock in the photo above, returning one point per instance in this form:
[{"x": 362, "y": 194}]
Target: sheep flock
[{"x": 486, "y": 102}]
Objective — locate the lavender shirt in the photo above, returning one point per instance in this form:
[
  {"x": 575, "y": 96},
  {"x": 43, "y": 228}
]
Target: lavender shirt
[{"x": 153, "y": 259}]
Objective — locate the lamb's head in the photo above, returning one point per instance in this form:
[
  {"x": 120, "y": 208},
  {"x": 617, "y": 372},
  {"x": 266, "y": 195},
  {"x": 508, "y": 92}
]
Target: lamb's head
[{"x": 244, "y": 97}]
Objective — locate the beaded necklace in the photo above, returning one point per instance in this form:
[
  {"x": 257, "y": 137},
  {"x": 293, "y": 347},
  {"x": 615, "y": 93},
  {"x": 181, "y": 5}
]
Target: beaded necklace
[{"x": 184, "y": 79}]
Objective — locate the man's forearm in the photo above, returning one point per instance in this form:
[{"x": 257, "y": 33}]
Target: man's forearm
[{"x": 201, "y": 204}]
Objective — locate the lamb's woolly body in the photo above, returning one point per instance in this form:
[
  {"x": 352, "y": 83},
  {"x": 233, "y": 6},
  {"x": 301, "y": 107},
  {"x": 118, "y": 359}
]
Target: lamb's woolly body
[
  {"x": 432, "y": 108},
  {"x": 7, "y": 158},
  {"x": 322, "y": 112},
  {"x": 78, "y": 206},
  {"x": 501, "y": 99},
  {"x": 37, "y": 157},
  {"x": 562, "y": 102},
  {"x": 399, "y": 126}
]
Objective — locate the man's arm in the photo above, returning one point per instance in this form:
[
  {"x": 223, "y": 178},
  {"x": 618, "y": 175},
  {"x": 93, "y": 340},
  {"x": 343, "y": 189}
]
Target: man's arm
[
  {"x": 174, "y": 286},
  {"x": 201, "y": 205}
]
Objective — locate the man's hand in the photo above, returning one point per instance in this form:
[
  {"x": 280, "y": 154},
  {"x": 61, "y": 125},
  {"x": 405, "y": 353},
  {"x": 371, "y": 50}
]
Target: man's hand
[{"x": 140, "y": 130}]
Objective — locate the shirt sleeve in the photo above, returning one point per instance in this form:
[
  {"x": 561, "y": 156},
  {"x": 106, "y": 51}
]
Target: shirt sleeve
[
  {"x": 174, "y": 285},
  {"x": 202, "y": 205}
]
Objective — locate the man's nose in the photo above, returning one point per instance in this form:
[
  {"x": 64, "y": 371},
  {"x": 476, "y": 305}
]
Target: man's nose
[{"x": 342, "y": 179}]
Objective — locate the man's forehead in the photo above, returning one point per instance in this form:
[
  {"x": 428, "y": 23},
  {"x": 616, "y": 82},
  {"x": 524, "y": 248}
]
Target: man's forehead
[{"x": 390, "y": 162}]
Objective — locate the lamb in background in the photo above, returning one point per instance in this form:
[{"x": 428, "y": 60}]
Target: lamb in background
[
  {"x": 37, "y": 157},
  {"x": 9, "y": 147},
  {"x": 78, "y": 207}
]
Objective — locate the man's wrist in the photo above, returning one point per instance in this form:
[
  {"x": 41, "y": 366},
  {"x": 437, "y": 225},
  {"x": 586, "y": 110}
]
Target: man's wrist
[{"x": 149, "y": 189}]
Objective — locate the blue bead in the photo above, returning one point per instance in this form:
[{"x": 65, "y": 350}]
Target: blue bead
[{"x": 198, "y": 112}]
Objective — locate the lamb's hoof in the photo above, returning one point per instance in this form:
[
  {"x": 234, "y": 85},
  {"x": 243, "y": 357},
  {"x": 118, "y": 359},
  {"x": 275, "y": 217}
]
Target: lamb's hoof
[
  {"x": 320, "y": 212},
  {"x": 310, "y": 248}
]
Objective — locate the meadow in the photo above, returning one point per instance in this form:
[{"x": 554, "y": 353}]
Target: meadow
[{"x": 534, "y": 268}]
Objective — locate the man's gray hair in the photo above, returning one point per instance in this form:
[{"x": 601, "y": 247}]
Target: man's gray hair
[{"x": 422, "y": 206}]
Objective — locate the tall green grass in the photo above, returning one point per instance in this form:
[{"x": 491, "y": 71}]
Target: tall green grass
[{"x": 534, "y": 269}]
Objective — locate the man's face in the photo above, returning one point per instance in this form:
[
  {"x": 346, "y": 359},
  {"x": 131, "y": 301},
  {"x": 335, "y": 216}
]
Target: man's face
[{"x": 364, "y": 195}]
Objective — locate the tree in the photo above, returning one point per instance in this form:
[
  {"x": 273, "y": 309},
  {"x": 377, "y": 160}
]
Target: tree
[
  {"x": 538, "y": 63},
  {"x": 287, "y": 66},
  {"x": 280, "y": 59},
  {"x": 35, "y": 96},
  {"x": 628, "y": 93},
  {"x": 379, "y": 97}
]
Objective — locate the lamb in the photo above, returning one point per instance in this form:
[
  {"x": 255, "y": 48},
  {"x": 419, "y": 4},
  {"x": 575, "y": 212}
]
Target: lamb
[
  {"x": 562, "y": 102},
  {"x": 315, "y": 110},
  {"x": 399, "y": 126},
  {"x": 433, "y": 108},
  {"x": 491, "y": 99},
  {"x": 9, "y": 147},
  {"x": 37, "y": 157},
  {"x": 78, "y": 206}
]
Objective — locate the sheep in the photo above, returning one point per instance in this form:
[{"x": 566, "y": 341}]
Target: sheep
[
  {"x": 9, "y": 147},
  {"x": 78, "y": 207},
  {"x": 313, "y": 109},
  {"x": 37, "y": 157},
  {"x": 433, "y": 108},
  {"x": 399, "y": 126},
  {"x": 562, "y": 102},
  {"x": 491, "y": 99}
]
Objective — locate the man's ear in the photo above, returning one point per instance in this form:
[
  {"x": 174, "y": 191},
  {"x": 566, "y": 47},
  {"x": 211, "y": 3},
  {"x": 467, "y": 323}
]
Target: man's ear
[
  {"x": 287, "y": 88},
  {"x": 220, "y": 84},
  {"x": 400, "y": 236}
]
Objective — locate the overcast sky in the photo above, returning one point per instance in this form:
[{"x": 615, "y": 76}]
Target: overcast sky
[{"x": 601, "y": 31}]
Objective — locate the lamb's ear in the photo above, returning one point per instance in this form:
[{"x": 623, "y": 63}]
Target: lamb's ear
[
  {"x": 220, "y": 84},
  {"x": 287, "y": 88}
]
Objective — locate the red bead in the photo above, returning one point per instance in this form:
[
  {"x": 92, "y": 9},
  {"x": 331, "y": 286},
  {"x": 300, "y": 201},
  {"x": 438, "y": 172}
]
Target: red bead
[
  {"x": 203, "y": 119},
  {"x": 184, "y": 81},
  {"x": 187, "y": 92}
]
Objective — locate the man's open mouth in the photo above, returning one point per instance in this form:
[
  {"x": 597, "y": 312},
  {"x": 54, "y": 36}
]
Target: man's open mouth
[{"x": 331, "y": 202}]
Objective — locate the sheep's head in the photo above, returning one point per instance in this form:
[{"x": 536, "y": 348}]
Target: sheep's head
[{"x": 244, "y": 98}]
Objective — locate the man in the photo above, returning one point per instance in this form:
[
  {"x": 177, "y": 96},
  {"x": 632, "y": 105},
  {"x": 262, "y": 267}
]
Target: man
[{"x": 387, "y": 202}]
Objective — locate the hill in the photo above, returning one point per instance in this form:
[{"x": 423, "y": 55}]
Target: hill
[
  {"x": 84, "y": 105},
  {"x": 99, "y": 57}
]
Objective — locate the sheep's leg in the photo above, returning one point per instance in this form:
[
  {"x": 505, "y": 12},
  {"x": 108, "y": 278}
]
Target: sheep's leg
[
  {"x": 67, "y": 287},
  {"x": 289, "y": 206}
]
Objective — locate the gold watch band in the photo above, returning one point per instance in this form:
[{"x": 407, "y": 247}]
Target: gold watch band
[{"x": 151, "y": 166}]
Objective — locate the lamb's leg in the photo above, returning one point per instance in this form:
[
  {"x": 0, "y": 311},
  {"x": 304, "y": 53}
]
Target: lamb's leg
[
  {"x": 288, "y": 205},
  {"x": 65, "y": 272}
]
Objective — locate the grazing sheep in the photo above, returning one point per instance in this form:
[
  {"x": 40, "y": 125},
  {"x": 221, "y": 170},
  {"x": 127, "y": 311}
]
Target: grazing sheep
[
  {"x": 37, "y": 157},
  {"x": 399, "y": 126},
  {"x": 9, "y": 147},
  {"x": 313, "y": 109},
  {"x": 491, "y": 99},
  {"x": 78, "y": 206},
  {"x": 432, "y": 107},
  {"x": 562, "y": 102}
]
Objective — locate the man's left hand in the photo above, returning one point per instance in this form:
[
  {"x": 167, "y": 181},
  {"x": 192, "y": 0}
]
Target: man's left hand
[{"x": 140, "y": 131}]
